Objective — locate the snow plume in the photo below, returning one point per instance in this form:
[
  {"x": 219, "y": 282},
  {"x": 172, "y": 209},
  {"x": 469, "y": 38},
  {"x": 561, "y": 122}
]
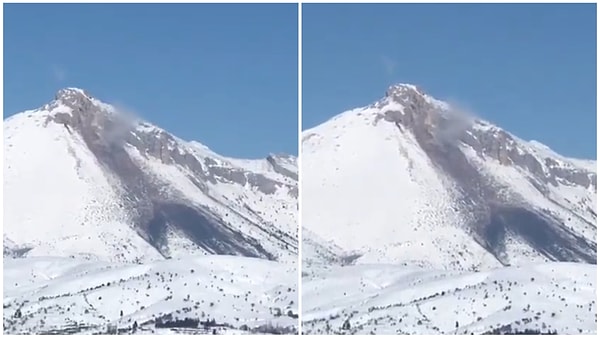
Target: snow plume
[
  {"x": 119, "y": 126},
  {"x": 453, "y": 123}
]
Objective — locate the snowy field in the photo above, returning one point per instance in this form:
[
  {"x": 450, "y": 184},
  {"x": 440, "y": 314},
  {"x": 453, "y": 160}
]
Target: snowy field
[
  {"x": 390, "y": 299},
  {"x": 234, "y": 294}
]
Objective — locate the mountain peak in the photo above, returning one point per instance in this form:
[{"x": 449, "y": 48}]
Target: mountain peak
[
  {"x": 70, "y": 94},
  {"x": 74, "y": 98},
  {"x": 402, "y": 89},
  {"x": 408, "y": 94}
]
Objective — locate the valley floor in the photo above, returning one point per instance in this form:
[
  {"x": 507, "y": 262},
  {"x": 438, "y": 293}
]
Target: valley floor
[
  {"x": 224, "y": 294},
  {"x": 390, "y": 299}
]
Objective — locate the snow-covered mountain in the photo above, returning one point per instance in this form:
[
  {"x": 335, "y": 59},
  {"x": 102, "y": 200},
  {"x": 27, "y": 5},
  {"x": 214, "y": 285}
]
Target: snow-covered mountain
[
  {"x": 113, "y": 223},
  {"x": 421, "y": 219},
  {"x": 82, "y": 178},
  {"x": 412, "y": 180}
]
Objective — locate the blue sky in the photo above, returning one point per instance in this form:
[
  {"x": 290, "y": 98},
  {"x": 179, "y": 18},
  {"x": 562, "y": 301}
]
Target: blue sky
[
  {"x": 530, "y": 69},
  {"x": 225, "y": 75}
]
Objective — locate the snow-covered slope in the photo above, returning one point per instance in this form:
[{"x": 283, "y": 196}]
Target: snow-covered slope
[
  {"x": 390, "y": 299},
  {"x": 317, "y": 250},
  {"x": 83, "y": 179},
  {"x": 411, "y": 180},
  {"x": 45, "y": 295}
]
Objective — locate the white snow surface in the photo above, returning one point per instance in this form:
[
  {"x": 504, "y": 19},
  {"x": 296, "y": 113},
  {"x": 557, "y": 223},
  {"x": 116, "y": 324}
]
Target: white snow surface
[
  {"x": 391, "y": 299},
  {"x": 57, "y": 293}
]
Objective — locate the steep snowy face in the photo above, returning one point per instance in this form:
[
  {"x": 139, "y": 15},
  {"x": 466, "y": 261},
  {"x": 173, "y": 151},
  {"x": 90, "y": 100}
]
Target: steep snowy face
[
  {"x": 412, "y": 179},
  {"x": 83, "y": 177}
]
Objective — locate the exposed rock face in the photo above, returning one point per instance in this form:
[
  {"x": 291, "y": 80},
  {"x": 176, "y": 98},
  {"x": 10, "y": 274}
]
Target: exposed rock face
[
  {"x": 110, "y": 135},
  {"x": 443, "y": 133},
  {"x": 273, "y": 160},
  {"x": 432, "y": 123}
]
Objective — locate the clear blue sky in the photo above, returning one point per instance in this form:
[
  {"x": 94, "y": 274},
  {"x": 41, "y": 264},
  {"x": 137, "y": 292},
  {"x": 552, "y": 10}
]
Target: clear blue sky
[
  {"x": 222, "y": 74},
  {"x": 530, "y": 69}
]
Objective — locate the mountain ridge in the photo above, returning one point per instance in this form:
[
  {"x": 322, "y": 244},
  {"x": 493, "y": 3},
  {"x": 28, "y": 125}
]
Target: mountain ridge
[
  {"x": 462, "y": 173},
  {"x": 162, "y": 195}
]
